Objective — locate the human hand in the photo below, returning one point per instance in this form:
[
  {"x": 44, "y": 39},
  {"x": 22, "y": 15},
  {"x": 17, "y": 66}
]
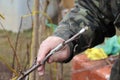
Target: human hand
[{"x": 46, "y": 46}]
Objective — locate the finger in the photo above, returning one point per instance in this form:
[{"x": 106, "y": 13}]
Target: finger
[
  {"x": 41, "y": 70},
  {"x": 42, "y": 52}
]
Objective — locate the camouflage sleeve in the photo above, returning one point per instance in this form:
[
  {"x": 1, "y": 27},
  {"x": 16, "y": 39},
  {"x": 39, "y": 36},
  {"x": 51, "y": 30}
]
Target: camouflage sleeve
[{"x": 73, "y": 22}]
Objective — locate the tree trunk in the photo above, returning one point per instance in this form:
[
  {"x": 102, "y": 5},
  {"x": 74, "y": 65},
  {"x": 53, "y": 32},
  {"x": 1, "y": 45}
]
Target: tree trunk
[{"x": 34, "y": 45}]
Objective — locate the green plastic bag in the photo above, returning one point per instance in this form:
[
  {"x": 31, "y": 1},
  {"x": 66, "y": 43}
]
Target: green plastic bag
[{"x": 111, "y": 45}]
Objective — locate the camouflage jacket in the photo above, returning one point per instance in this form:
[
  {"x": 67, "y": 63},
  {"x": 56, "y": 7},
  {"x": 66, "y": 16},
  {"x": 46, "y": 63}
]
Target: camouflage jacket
[{"x": 101, "y": 16}]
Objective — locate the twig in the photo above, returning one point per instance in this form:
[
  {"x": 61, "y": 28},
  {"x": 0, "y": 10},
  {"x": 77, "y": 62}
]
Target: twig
[{"x": 16, "y": 45}]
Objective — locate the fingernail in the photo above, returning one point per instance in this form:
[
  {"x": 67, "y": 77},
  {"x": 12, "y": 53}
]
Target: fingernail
[
  {"x": 41, "y": 70},
  {"x": 41, "y": 73}
]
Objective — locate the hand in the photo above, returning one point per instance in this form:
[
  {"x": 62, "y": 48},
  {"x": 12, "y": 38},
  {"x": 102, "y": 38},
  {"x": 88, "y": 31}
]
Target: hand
[{"x": 46, "y": 46}]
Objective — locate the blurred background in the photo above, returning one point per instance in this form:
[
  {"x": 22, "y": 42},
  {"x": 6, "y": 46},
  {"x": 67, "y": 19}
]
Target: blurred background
[{"x": 24, "y": 24}]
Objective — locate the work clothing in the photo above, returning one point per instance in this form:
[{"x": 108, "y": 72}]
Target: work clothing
[{"x": 100, "y": 16}]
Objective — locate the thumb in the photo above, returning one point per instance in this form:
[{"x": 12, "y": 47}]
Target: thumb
[{"x": 61, "y": 55}]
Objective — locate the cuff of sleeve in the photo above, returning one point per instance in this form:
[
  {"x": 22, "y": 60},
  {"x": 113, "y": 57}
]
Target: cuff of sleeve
[{"x": 71, "y": 54}]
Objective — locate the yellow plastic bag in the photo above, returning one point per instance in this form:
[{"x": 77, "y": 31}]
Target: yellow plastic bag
[{"x": 96, "y": 53}]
